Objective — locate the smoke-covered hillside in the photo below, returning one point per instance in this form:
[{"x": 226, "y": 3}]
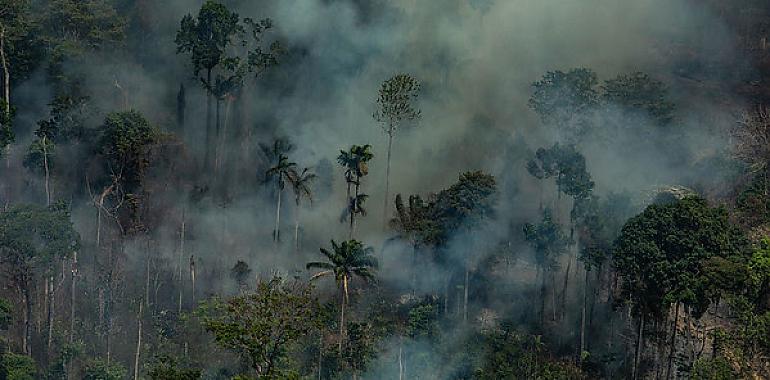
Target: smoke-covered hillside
[{"x": 334, "y": 189}]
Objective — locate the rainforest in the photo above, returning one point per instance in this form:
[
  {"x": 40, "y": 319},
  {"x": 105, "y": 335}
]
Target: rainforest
[{"x": 384, "y": 189}]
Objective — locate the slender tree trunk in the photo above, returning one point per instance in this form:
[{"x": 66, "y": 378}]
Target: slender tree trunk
[
  {"x": 47, "y": 172},
  {"x": 276, "y": 235},
  {"x": 672, "y": 347},
  {"x": 583, "y": 319},
  {"x": 446, "y": 295},
  {"x": 192, "y": 279},
  {"x": 296, "y": 227},
  {"x": 387, "y": 179},
  {"x": 354, "y": 208},
  {"x": 639, "y": 345},
  {"x": 27, "y": 338},
  {"x": 320, "y": 353},
  {"x": 553, "y": 298},
  {"x": 50, "y": 317},
  {"x": 541, "y": 272},
  {"x": 342, "y": 311},
  {"x": 6, "y": 98},
  {"x": 147, "y": 277},
  {"x": 465, "y": 296},
  {"x": 179, "y": 264},
  {"x": 400, "y": 360},
  {"x": 207, "y": 152},
  {"x": 564, "y": 289},
  {"x": 138, "y": 342},
  {"x": 217, "y": 137},
  {"x": 73, "y": 299}
]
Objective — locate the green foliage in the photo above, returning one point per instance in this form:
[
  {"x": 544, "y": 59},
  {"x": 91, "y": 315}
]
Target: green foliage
[
  {"x": 101, "y": 370},
  {"x": 395, "y": 103},
  {"x": 465, "y": 204},
  {"x": 547, "y": 239},
  {"x": 753, "y": 202},
  {"x": 17, "y": 367},
  {"x": 207, "y": 36},
  {"x": 759, "y": 274},
  {"x": 638, "y": 93},
  {"x": 33, "y": 235},
  {"x": 261, "y": 326},
  {"x": 510, "y": 355},
  {"x": 566, "y": 100},
  {"x": 125, "y": 143},
  {"x": 679, "y": 252},
  {"x": 41, "y": 150},
  {"x": 566, "y": 165},
  {"x": 74, "y": 26},
  {"x": 359, "y": 347},
  {"x": 355, "y": 161},
  {"x": 166, "y": 368},
  {"x": 712, "y": 369},
  {"x": 422, "y": 321},
  {"x": 346, "y": 260},
  {"x": 6, "y": 314},
  {"x": 7, "y": 136}
]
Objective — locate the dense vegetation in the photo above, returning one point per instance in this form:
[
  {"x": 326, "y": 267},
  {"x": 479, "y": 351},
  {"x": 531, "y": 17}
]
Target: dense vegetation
[{"x": 602, "y": 221}]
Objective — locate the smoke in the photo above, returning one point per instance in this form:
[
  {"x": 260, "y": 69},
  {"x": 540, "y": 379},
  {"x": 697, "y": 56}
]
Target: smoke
[{"x": 476, "y": 60}]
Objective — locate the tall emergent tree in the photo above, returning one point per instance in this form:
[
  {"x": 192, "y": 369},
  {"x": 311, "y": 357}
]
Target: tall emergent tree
[
  {"x": 207, "y": 37},
  {"x": 32, "y": 240},
  {"x": 396, "y": 108},
  {"x": 677, "y": 253},
  {"x": 345, "y": 261},
  {"x": 356, "y": 164}
]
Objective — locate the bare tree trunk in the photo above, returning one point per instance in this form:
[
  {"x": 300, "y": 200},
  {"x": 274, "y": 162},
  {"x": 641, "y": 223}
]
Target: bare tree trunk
[
  {"x": 192, "y": 279},
  {"x": 296, "y": 227},
  {"x": 342, "y": 311},
  {"x": 208, "y": 148},
  {"x": 446, "y": 295},
  {"x": 138, "y": 343},
  {"x": 147, "y": 277},
  {"x": 320, "y": 353},
  {"x": 6, "y": 73},
  {"x": 217, "y": 136},
  {"x": 400, "y": 361},
  {"x": 26, "y": 342},
  {"x": 51, "y": 306},
  {"x": 583, "y": 318},
  {"x": 72, "y": 296},
  {"x": 564, "y": 289},
  {"x": 276, "y": 233},
  {"x": 553, "y": 298},
  {"x": 672, "y": 347},
  {"x": 387, "y": 179},
  {"x": 465, "y": 296},
  {"x": 639, "y": 344},
  {"x": 47, "y": 172},
  {"x": 179, "y": 264}
]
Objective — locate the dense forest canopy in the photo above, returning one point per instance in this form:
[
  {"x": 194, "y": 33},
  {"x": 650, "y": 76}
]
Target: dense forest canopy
[{"x": 335, "y": 189}]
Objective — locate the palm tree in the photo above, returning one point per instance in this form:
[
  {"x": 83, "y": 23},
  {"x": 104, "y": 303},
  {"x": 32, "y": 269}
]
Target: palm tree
[
  {"x": 351, "y": 258},
  {"x": 300, "y": 183},
  {"x": 394, "y": 109},
  {"x": 356, "y": 164},
  {"x": 280, "y": 171}
]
